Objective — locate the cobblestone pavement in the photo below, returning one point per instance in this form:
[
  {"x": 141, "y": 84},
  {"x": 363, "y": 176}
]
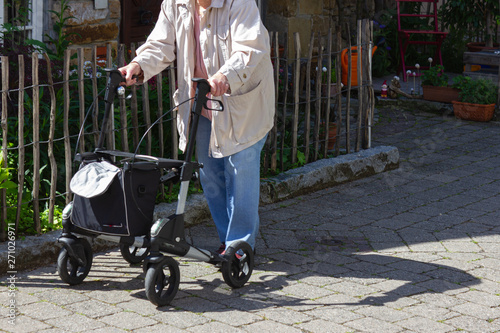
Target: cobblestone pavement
[{"x": 411, "y": 250}]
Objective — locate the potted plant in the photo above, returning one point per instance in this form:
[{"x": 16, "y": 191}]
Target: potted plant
[
  {"x": 435, "y": 86},
  {"x": 332, "y": 84},
  {"x": 471, "y": 20},
  {"x": 332, "y": 134},
  {"x": 478, "y": 98}
]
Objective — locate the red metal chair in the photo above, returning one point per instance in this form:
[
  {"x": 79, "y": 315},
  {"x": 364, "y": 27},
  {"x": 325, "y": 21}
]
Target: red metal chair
[{"x": 413, "y": 18}]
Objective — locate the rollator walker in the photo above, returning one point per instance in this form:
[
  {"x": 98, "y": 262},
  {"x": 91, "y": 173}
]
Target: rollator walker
[{"x": 114, "y": 199}]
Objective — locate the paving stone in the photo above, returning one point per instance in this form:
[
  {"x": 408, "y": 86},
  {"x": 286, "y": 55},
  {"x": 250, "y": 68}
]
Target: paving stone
[
  {"x": 234, "y": 318},
  {"x": 384, "y": 314},
  {"x": 303, "y": 290},
  {"x": 321, "y": 326},
  {"x": 43, "y": 310},
  {"x": 74, "y": 323},
  {"x": 421, "y": 324},
  {"x": 160, "y": 328},
  {"x": 93, "y": 308},
  {"x": 472, "y": 324},
  {"x": 22, "y": 324},
  {"x": 285, "y": 316},
  {"x": 373, "y": 325},
  {"x": 127, "y": 320},
  {"x": 61, "y": 296},
  {"x": 479, "y": 297},
  {"x": 271, "y": 327},
  {"x": 439, "y": 300},
  {"x": 432, "y": 312},
  {"x": 179, "y": 318},
  {"x": 461, "y": 246},
  {"x": 478, "y": 311},
  {"x": 108, "y": 330}
]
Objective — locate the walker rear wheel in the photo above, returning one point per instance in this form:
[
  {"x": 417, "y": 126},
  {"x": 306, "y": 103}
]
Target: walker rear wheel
[
  {"x": 70, "y": 270},
  {"x": 237, "y": 270},
  {"x": 133, "y": 254},
  {"x": 162, "y": 281}
]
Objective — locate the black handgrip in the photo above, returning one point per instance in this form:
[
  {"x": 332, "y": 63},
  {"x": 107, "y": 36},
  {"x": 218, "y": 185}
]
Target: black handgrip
[
  {"x": 200, "y": 98},
  {"x": 114, "y": 80}
]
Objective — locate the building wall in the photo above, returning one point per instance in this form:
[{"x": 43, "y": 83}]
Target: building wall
[
  {"x": 101, "y": 26},
  {"x": 90, "y": 25},
  {"x": 305, "y": 16}
]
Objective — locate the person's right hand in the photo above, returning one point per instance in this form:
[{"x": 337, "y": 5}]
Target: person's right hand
[{"x": 131, "y": 72}]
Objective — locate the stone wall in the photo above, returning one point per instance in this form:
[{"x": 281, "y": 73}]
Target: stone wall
[
  {"x": 92, "y": 26},
  {"x": 305, "y": 16}
]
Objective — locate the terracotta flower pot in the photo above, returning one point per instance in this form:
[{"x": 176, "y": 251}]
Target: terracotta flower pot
[
  {"x": 441, "y": 94},
  {"x": 475, "y": 112},
  {"x": 479, "y": 46},
  {"x": 332, "y": 134},
  {"x": 334, "y": 89}
]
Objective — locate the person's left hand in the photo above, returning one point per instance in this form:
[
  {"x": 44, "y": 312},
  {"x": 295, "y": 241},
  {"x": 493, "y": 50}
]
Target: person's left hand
[{"x": 219, "y": 84}]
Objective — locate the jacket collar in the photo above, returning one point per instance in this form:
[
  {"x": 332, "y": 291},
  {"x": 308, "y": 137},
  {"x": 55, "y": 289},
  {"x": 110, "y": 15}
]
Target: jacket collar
[{"x": 215, "y": 3}]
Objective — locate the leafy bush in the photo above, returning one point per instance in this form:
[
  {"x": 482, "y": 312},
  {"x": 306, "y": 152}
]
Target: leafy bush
[
  {"x": 435, "y": 76},
  {"x": 479, "y": 91}
]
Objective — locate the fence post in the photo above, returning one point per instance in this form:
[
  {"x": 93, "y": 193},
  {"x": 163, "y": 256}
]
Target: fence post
[
  {"x": 360, "y": 86},
  {"x": 175, "y": 137},
  {"x": 308, "y": 97},
  {"x": 368, "y": 34},
  {"x": 81, "y": 98},
  {"x": 348, "y": 97},
  {"x": 274, "y": 132},
  {"x": 338, "y": 72},
  {"x": 328, "y": 93},
  {"x": 133, "y": 109},
  {"x": 317, "y": 118},
  {"x": 123, "y": 110},
  {"x": 95, "y": 112},
  {"x": 20, "y": 135},
  {"x": 67, "y": 143},
  {"x": 296, "y": 81},
  {"x": 5, "y": 95},
  {"x": 159, "y": 114},
  {"x": 285, "y": 97},
  {"x": 52, "y": 159},
  {"x": 36, "y": 143}
]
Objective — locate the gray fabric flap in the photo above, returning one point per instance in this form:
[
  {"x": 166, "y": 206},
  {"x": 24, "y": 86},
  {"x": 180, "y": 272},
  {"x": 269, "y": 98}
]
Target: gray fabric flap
[{"x": 93, "y": 179}]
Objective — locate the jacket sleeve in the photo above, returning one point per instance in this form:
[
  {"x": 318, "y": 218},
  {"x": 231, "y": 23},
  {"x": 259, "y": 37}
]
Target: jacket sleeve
[
  {"x": 249, "y": 42},
  {"x": 158, "y": 52}
]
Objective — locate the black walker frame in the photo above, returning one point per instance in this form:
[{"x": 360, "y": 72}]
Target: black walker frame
[{"x": 156, "y": 243}]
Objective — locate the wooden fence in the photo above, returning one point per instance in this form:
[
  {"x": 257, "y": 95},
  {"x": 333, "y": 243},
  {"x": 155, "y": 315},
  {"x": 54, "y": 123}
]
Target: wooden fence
[{"x": 44, "y": 123}]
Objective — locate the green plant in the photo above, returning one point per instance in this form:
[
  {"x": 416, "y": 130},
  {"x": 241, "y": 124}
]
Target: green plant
[
  {"x": 14, "y": 30},
  {"x": 5, "y": 178},
  {"x": 386, "y": 59},
  {"x": 324, "y": 74},
  {"x": 435, "y": 76},
  {"x": 471, "y": 19},
  {"x": 62, "y": 40},
  {"x": 479, "y": 91}
]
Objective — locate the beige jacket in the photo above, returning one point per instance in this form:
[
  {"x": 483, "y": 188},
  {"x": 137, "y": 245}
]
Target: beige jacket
[{"x": 234, "y": 42}]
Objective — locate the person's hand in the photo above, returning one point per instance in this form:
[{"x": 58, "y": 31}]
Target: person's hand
[
  {"x": 219, "y": 84},
  {"x": 131, "y": 72}
]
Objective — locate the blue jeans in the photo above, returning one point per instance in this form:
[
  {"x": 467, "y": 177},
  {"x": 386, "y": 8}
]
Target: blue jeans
[{"x": 232, "y": 187}]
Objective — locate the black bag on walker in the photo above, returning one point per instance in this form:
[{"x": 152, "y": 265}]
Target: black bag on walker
[{"x": 114, "y": 201}]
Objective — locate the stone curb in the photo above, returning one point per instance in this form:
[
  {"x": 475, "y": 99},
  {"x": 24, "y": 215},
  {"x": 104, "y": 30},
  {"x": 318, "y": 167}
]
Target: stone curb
[{"x": 37, "y": 251}]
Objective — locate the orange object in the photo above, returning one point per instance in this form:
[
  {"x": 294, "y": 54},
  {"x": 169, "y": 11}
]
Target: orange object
[{"x": 344, "y": 57}]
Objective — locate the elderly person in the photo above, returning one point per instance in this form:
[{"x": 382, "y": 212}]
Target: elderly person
[{"x": 225, "y": 42}]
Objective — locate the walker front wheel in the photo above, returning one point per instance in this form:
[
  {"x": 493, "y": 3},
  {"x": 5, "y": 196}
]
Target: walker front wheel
[
  {"x": 237, "y": 270},
  {"x": 70, "y": 269},
  {"x": 133, "y": 254},
  {"x": 162, "y": 281}
]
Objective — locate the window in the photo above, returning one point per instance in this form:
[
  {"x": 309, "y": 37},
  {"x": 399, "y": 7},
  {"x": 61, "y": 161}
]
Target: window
[{"x": 26, "y": 15}]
